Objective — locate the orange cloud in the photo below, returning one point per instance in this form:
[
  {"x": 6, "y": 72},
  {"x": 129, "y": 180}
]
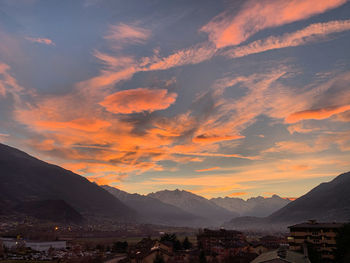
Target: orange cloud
[
  {"x": 86, "y": 125},
  {"x": 316, "y": 114},
  {"x": 208, "y": 169},
  {"x": 290, "y": 198},
  {"x": 40, "y": 40},
  {"x": 225, "y": 30},
  {"x": 297, "y": 38},
  {"x": 138, "y": 100},
  {"x": 237, "y": 194}
]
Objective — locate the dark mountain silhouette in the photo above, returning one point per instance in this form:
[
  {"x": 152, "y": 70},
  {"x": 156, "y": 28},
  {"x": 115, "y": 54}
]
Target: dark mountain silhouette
[
  {"x": 255, "y": 206},
  {"x": 328, "y": 202},
  {"x": 50, "y": 210},
  {"x": 24, "y": 178},
  {"x": 152, "y": 210},
  {"x": 195, "y": 204}
]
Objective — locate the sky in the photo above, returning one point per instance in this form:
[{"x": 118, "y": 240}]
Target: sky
[{"x": 220, "y": 98}]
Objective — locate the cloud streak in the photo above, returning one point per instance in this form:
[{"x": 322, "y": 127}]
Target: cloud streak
[
  {"x": 40, "y": 40},
  {"x": 229, "y": 29},
  {"x": 301, "y": 37}
]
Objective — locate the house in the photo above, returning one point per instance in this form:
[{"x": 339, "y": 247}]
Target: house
[{"x": 148, "y": 249}]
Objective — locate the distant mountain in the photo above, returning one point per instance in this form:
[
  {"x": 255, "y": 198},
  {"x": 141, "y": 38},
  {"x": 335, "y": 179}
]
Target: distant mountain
[
  {"x": 152, "y": 210},
  {"x": 24, "y": 178},
  {"x": 211, "y": 213},
  {"x": 327, "y": 202},
  {"x": 255, "y": 206}
]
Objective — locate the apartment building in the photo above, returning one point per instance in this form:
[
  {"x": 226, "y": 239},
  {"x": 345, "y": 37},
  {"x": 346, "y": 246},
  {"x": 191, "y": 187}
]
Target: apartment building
[{"x": 321, "y": 236}]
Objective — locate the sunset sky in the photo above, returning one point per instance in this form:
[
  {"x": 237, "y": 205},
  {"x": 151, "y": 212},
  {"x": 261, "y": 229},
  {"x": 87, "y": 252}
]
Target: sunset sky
[{"x": 217, "y": 97}]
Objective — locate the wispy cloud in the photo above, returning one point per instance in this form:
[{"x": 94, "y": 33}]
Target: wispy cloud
[
  {"x": 122, "y": 34},
  {"x": 229, "y": 28},
  {"x": 40, "y": 40},
  {"x": 306, "y": 35}
]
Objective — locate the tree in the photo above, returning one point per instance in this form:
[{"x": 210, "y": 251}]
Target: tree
[
  {"x": 159, "y": 259},
  {"x": 186, "y": 244},
  {"x": 202, "y": 258},
  {"x": 168, "y": 237},
  {"x": 120, "y": 247},
  {"x": 342, "y": 252},
  {"x": 172, "y": 239}
]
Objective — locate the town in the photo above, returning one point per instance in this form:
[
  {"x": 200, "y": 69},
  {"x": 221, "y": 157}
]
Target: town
[{"x": 307, "y": 242}]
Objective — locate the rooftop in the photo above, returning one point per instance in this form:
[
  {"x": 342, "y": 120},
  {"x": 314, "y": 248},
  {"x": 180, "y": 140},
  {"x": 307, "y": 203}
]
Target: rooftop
[
  {"x": 286, "y": 256},
  {"x": 314, "y": 224}
]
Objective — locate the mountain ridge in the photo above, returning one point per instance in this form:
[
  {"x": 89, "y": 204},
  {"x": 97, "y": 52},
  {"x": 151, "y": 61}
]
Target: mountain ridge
[
  {"x": 153, "y": 210},
  {"x": 194, "y": 204},
  {"x": 329, "y": 202},
  {"x": 25, "y": 178}
]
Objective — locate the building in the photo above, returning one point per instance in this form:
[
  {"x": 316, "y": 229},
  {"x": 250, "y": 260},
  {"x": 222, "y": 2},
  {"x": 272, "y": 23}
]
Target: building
[
  {"x": 12, "y": 243},
  {"x": 148, "y": 249},
  {"x": 210, "y": 239},
  {"x": 222, "y": 244},
  {"x": 281, "y": 255},
  {"x": 46, "y": 245},
  {"x": 321, "y": 236}
]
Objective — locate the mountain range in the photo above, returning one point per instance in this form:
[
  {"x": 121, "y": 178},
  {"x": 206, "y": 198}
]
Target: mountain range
[
  {"x": 154, "y": 211},
  {"x": 255, "y": 206},
  {"x": 328, "y": 202},
  {"x": 26, "y": 179},
  {"x": 35, "y": 188}
]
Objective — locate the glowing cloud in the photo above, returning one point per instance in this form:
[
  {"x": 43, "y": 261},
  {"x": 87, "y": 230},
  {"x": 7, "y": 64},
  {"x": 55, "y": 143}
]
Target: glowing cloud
[
  {"x": 237, "y": 194},
  {"x": 226, "y": 30},
  {"x": 138, "y": 100},
  {"x": 208, "y": 169},
  {"x": 316, "y": 114}
]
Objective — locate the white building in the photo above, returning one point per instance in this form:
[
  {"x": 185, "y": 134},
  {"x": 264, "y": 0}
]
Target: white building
[
  {"x": 34, "y": 245},
  {"x": 45, "y": 246}
]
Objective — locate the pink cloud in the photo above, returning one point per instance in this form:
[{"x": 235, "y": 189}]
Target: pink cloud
[
  {"x": 123, "y": 34},
  {"x": 297, "y": 38},
  {"x": 45, "y": 41},
  {"x": 226, "y": 30},
  {"x": 138, "y": 100}
]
